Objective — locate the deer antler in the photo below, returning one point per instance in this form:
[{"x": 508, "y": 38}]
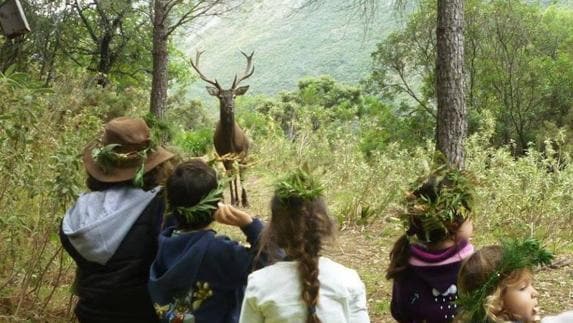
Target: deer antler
[
  {"x": 247, "y": 73},
  {"x": 203, "y": 77}
]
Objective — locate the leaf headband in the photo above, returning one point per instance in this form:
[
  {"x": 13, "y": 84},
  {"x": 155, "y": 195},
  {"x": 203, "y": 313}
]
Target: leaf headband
[
  {"x": 441, "y": 198},
  {"x": 298, "y": 184},
  {"x": 203, "y": 210},
  {"x": 516, "y": 255},
  {"x": 107, "y": 158}
]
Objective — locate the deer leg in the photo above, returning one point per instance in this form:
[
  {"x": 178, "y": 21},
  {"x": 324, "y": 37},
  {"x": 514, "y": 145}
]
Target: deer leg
[
  {"x": 232, "y": 193},
  {"x": 244, "y": 200},
  {"x": 236, "y": 189}
]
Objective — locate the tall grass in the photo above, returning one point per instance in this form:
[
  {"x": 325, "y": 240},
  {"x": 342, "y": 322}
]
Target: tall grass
[
  {"x": 42, "y": 134},
  {"x": 526, "y": 196}
]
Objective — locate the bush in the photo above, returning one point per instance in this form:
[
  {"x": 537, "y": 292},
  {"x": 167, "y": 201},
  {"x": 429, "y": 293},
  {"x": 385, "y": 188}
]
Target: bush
[{"x": 196, "y": 142}]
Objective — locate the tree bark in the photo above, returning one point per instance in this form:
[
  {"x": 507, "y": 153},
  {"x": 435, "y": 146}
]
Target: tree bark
[
  {"x": 451, "y": 126},
  {"x": 160, "y": 60}
]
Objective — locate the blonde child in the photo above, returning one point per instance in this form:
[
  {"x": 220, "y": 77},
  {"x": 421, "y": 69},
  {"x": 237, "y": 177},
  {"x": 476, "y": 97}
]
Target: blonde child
[
  {"x": 496, "y": 284},
  {"x": 424, "y": 262},
  {"x": 306, "y": 287}
]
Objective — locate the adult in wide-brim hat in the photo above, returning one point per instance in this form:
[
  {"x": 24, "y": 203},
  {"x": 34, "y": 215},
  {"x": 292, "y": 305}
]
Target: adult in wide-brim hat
[
  {"x": 124, "y": 149},
  {"x": 111, "y": 231}
]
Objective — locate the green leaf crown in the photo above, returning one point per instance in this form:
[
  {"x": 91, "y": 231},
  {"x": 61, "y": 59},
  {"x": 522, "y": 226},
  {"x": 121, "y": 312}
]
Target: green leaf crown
[
  {"x": 437, "y": 200},
  {"x": 203, "y": 210},
  {"x": 298, "y": 184},
  {"x": 516, "y": 254},
  {"x": 107, "y": 158}
]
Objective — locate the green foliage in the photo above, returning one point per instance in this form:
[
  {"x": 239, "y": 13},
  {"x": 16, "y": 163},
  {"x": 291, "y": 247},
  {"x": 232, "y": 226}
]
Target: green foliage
[
  {"x": 519, "y": 60},
  {"x": 299, "y": 184},
  {"x": 196, "y": 142},
  {"x": 443, "y": 197},
  {"x": 323, "y": 103},
  {"x": 203, "y": 210},
  {"x": 42, "y": 135}
]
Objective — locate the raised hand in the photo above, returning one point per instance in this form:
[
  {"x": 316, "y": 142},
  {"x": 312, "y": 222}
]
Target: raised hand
[{"x": 227, "y": 214}]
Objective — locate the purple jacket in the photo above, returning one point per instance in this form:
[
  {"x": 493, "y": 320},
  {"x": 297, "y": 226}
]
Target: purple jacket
[{"x": 426, "y": 290}]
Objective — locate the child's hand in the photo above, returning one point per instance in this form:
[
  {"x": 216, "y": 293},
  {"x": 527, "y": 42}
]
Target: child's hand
[{"x": 226, "y": 214}]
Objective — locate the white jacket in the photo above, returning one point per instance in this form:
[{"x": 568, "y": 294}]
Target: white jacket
[
  {"x": 274, "y": 295},
  {"x": 566, "y": 317}
]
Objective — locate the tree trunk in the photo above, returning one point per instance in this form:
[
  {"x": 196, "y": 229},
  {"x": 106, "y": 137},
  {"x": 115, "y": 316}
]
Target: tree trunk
[
  {"x": 452, "y": 122},
  {"x": 160, "y": 60},
  {"x": 104, "y": 65},
  {"x": 9, "y": 53}
]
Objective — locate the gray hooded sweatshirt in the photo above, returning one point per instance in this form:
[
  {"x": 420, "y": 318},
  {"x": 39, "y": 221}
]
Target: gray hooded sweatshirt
[{"x": 98, "y": 222}]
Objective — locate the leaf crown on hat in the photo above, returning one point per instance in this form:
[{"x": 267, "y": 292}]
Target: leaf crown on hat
[
  {"x": 516, "y": 254},
  {"x": 107, "y": 158},
  {"x": 435, "y": 201}
]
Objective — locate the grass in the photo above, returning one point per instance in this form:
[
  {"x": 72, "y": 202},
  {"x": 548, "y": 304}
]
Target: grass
[{"x": 527, "y": 196}]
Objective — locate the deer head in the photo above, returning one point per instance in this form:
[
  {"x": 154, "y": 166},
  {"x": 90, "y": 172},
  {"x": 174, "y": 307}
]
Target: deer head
[{"x": 226, "y": 97}]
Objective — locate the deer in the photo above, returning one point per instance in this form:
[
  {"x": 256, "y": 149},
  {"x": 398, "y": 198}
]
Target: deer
[{"x": 231, "y": 143}]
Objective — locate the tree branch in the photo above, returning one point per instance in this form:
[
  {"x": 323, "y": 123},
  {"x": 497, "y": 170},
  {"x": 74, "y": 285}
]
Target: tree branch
[{"x": 86, "y": 22}]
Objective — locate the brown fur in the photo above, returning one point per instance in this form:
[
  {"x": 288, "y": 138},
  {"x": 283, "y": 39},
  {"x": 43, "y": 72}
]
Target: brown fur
[{"x": 229, "y": 139}]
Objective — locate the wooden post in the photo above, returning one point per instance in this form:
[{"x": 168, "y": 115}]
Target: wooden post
[{"x": 12, "y": 19}]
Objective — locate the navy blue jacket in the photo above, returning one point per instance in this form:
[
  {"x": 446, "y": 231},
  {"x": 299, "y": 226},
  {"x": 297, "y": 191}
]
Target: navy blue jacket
[{"x": 200, "y": 276}]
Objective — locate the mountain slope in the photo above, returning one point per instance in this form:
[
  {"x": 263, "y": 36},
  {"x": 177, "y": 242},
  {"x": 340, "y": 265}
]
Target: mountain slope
[{"x": 288, "y": 44}]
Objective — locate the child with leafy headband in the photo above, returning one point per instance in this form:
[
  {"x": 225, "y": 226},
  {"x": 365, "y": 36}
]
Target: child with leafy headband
[
  {"x": 496, "y": 284},
  {"x": 306, "y": 287},
  {"x": 198, "y": 276},
  {"x": 424, "y": 262}
]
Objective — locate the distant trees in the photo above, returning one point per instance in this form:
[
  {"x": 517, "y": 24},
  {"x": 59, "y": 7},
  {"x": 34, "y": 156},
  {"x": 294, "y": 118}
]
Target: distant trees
[
  {"x": 451, "y": 122},
  {"x": 106, "y": 38},
  {"x": 518, "y": 63}
]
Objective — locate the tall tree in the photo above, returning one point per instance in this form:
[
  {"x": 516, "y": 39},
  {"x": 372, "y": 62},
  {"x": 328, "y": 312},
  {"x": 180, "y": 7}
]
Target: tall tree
[
  {"x": 168, "y": 15},
  {"x": 512, "y": 54},
  {"x": 451, "y": 126},
  {"x": 451, "y": 122}
]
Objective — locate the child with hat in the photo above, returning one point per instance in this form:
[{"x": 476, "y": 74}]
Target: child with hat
[
  {"x": 199, "y": 276},
  {"x": 424, "y": 262},
  {"x": 306, "y": 287},
  {"x": 111, "y": 232},
  {"x": 496, "y": 284}
]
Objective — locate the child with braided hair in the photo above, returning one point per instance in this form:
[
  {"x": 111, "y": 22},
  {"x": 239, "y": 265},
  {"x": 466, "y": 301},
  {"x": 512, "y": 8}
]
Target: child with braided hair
[
  {"x": 306, "y": 287},
  {"x": 424, "y": 262},
  {"x": 496, "y": 284}
]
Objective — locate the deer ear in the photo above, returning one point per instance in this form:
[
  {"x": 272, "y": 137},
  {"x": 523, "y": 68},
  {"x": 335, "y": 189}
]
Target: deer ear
[
  {"x": 212, "y": 90},
  {"x": 241, "y": 90}
]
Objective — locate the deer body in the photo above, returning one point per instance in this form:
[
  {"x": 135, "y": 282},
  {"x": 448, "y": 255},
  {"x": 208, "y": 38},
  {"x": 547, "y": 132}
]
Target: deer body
[{"x": 230, "y": 141}]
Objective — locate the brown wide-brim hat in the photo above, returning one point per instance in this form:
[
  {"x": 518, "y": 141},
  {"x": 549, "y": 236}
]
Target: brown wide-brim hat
[{"x": 131, "y": 136}]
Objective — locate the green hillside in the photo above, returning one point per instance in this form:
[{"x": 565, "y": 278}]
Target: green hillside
[{"x": 288, "y": 44}]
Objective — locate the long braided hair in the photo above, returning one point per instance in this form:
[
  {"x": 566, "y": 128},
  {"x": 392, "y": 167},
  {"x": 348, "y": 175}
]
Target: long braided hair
[{"x": 300, "y": 225}]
